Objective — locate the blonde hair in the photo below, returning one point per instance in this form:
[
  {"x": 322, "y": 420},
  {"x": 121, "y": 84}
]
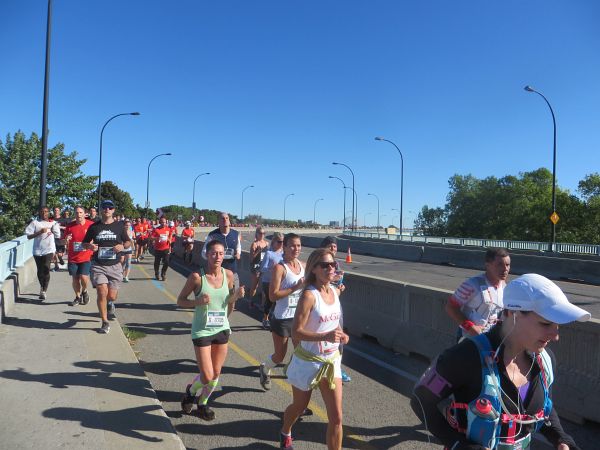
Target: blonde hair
[{"x": 315, "y": 257}]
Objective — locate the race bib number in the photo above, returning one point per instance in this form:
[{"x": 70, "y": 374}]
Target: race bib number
[
  {"x": 138, "y": 233},
  {"x": 293, "y": 299},
  {"x": 78, "y": 247},
  {"x": 162, "y": 238},
  {"x": 326, "y": 347},
  {"x": 106, "y": 253},
  {"x": 229, "y": 253},
  {"x": 189, "y": 240},
  {"x": 215, "y": 319},
  {"x": 521, "y": 444}
]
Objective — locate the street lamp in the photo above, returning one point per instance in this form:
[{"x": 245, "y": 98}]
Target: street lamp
[
  {"x": 379, "y": 138},
  {"x": 100, "y": 162},
  {"x": 44, "y": 156},
  {"x": 148, "y": 180},
  {"x": 285, "y": 200},
  {"x": 315, "y": 211},
  {"x": 194, "y": 193},
  {"x": 244, "y": 190},
  {"x": 377, "y": 210},
  {"x": 365, "y": 219},
  {"x": 354, "y": 198},
  {"x": 553, "y": 230},
  {"x": 343, "y": 184}
]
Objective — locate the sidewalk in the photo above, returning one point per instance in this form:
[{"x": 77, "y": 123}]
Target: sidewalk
[{"x": 63, "y": 385}]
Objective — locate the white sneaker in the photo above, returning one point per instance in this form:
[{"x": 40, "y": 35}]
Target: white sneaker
[{"x": 42, "y": 295}]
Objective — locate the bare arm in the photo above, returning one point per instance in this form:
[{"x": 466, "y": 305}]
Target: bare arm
[
  {"x": 193, "y": 284},
  {"x": 453, "y": 310},
  {"x": 233, "y": 294},
  {"x": 275, "y": 291},
  {"x": 299, "y": 333}
]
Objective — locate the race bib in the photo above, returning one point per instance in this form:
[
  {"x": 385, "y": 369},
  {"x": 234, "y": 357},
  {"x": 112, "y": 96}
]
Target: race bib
[
  {"x": 138, "y": 234},
  {"x": 78, "y": 247},
  {"x": 229, "y": 253},
  {"x": 106, "y": 253},
  {"x": 293, "y": 299},
  {"x": 215, "y": 319},
  {"x": 162, "y": 238},
  {"x": 327, "y": 347},
  {"x": 521, "y": 444},
  {"x": 189, "y": 240}
]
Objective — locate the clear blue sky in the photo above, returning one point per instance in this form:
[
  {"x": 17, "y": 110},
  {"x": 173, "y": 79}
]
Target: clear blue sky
[{"x": 269, "y": 93}]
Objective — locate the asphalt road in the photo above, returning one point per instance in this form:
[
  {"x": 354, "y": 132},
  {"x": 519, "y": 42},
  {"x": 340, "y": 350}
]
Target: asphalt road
[{"x": 376, "y": 410}]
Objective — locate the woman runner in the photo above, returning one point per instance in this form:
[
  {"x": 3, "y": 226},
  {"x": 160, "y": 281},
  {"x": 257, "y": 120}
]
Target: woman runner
[{"x": 213, "y": 292}]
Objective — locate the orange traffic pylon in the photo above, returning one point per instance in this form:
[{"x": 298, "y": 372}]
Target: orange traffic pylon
[{"x": 349, "y": 256}]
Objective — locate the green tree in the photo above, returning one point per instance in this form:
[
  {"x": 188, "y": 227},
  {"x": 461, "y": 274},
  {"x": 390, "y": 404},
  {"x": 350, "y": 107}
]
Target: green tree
[
  {"x": 122, "y": 200},
  {"x": 20, "y": 179},
  {"x": 431, "y": 221}
]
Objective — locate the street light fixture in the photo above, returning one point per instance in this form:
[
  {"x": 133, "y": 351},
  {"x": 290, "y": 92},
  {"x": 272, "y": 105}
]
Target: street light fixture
[
  {"x": 377, "y": 210},
  {"x": 379, "y": 138},
  {"x": 354, "y": 198},
  {"x": 315, "y": 211},
  {"x": 148, "y": 181},
  {"x": 343, "y": 184},
  {"x": 244, "y": 190},
  {"x": 194, "y": 193},
  {"x": 285, "y": 200},
  {"x": 553, "y": 230},
  {"x": 100, "y": 162}
]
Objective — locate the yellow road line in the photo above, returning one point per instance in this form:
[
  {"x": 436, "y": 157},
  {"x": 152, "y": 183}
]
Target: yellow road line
[{"x": 317, "y": 410}]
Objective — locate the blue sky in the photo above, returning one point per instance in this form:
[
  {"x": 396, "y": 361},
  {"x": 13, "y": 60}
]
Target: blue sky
[{"x": 269, "y": 93}]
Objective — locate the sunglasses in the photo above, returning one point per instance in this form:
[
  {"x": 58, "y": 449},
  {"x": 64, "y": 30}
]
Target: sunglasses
[
  {"x": 108, "y": 207},
  {"x": 279, "y": 242},
  {"x": 326, "y": 264}
]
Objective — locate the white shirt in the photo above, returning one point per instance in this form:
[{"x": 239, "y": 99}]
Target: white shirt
[{"x": 44, "y": 243}]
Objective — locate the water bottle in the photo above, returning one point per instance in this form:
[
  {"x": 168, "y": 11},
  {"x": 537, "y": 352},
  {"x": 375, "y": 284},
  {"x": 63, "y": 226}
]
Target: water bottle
[{"x": 482, "y": 421}]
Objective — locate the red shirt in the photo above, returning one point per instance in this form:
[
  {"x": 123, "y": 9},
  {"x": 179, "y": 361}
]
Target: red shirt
[
  {"x": 187, "y": 233},
  {"x": 139, "y": 231},
  {"x": 77, "y": 232},
  {"x": 162, "y": 237}
]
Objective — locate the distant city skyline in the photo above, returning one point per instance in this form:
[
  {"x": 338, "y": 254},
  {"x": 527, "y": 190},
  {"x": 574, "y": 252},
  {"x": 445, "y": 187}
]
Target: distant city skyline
[{"x": 270, "y": 94}]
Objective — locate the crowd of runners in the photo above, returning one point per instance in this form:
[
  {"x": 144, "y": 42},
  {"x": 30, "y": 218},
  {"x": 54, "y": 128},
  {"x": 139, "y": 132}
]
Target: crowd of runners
[{"x": 491, "y": 390}]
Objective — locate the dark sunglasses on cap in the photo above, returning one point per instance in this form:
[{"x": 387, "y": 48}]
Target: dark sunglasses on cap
[{"x": 326, "y": 264}]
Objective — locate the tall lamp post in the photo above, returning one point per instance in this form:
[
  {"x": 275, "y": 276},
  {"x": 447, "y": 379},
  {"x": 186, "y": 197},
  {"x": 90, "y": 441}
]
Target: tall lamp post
[
  {"x": 343, "y": 184},
  {"x": 354, "y": 198},
  {"x": 148, "y": 181},
  {"x": 44, "y": 156},
  {"x": 554, "y": 217},
  {"x": 315, "y": 211},
  {"x": 379, "y": 138},
  {"x": 194, "y": 192},
  {"x": 244, "y": 190},
  {"x": 100, "y": 162},
  {"x": 377, "y": 210},
  {"x": 285, "y": 200}
]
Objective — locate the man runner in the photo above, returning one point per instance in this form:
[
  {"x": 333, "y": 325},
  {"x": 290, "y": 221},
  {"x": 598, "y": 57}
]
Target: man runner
[
  {"x": 79, "y": 258},
  {"x": 187, "y": 238},
  {"x": 161, "y": 239},
  {"x": 106, "y": 238}
]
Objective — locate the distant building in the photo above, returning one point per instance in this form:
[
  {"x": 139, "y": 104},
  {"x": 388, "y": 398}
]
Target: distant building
[{"x": 334, "y": 223}]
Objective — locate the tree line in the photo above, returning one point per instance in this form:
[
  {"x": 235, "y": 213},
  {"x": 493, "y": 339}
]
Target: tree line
[{"x": 515, "y": 208}]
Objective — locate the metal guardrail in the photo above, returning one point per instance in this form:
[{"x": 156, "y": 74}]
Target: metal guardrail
[
  {"x": 584, "y": 249},
  {"x": 14, "y": 254}
]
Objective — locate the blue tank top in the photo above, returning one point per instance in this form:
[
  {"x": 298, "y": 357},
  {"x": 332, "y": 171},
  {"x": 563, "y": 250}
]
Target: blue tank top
[{"x": 230, "y": 243}]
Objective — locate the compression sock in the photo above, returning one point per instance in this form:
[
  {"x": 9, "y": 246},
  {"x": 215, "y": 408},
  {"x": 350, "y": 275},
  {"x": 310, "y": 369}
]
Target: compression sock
[
  {"x": 207, "y": 391},
  {"x": 196, "y": 385},
  {"x": 269, "y": 364}
]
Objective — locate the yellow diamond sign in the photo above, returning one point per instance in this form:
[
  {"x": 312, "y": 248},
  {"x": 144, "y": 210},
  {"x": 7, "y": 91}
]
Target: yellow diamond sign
[{"x": 554, "y": 218}]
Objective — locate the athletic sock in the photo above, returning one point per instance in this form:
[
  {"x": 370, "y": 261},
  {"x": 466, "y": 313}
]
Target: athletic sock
[
  {"x": 269, "y": 364},
  {"x": 196, "y": 385},
  {"x": 207, "y": 391}
]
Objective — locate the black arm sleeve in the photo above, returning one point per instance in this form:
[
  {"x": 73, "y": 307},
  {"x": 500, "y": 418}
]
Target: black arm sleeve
[{"x": 89, "y": 235}]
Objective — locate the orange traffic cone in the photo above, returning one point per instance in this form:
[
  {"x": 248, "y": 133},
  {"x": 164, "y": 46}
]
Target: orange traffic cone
[{"x": 349, "y": 256}]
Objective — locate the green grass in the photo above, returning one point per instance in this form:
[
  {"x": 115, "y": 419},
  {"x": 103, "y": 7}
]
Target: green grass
[{"x": 132, "y": 335}]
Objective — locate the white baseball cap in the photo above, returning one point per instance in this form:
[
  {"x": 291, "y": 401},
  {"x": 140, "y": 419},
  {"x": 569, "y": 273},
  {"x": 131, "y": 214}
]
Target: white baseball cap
[{"x": 533, "y": 292}]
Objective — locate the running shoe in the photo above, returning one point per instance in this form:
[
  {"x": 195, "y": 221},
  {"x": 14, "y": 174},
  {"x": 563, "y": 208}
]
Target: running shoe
[
  {"x": 75, "y": 302},
  {"x": 164, "y": 277},
  {"x": 265, "y": 378},
  {"x": 205, "y": 412},
  {"x": 56, "y": 268},
  {"x": 111, "y": 310},
  {"x": 125, "y": 279},
  {"x": 61, "y": 261},
  {"x": 307, "y": 412},
  {"x": 105, "y": 328},
  {"x": 42, "y": 295},
  {"x": 156, "y": 277},
  {"x": 85, "y": 298},
  {"x": 187, "y": 402},
  {"x": 285, "y": 442},
  {"x": 141, "y": 257},
  {"x": 266, "y": 324},
  {"x": 345, "y": 377}
]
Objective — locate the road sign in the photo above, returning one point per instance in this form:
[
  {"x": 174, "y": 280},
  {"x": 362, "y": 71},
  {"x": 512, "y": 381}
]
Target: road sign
[{"x": 554, "y": 218}]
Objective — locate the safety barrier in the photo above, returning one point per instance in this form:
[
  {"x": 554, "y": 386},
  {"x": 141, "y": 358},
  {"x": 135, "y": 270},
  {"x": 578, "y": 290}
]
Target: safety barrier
[{"x": 16, "y": 267}]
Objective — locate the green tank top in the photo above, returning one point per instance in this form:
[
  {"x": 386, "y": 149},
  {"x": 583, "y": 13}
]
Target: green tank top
[{"x": 212, "y": 318}]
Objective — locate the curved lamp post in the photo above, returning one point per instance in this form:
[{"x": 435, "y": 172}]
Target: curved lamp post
[
  {"x": 194, "y": 192},
  {"x": 353, "y": 225},
  {"x": 553, "y": 230},
  {"x": 148, "y": 181},
  {"x": 244, "y": 190},
  {"x": 343, "y": 184},
  {"x": 100, "y": 162},
  {"x": 315, "y": 211},
  {"x": 285, "y": 200},
  {"x": 379, "y": 138},
  {"x": 377, "y": 210}
]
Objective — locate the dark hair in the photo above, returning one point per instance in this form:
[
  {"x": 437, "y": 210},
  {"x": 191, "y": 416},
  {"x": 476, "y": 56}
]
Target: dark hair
[
  {"x": 492, "y": 252},
  {"x": 212, "y": 243},
  {"x": 328, "y": 241},
  {"x": 288, "y": 237},
  {"x": 315, "y": 257}
]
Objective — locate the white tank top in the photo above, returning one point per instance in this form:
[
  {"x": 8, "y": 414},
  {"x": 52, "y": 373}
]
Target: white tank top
[
  {"x": 322, "y": 319},
  {"x": 285, "y": 308}
]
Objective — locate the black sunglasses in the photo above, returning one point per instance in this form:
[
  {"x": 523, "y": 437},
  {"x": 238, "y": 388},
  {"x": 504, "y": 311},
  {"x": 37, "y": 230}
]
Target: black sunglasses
[
  {"x": 326, "y": 264},
  {"x": 279, "y": 242}
]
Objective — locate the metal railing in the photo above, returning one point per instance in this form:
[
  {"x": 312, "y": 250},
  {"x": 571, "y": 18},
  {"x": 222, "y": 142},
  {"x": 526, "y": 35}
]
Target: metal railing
[
  {"x": 14, "y": 254},
  {"x": 583, "y": 249}
]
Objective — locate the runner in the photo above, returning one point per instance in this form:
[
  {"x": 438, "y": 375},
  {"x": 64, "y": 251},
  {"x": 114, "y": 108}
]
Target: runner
[
  {"x": 59, "y": 243},
  {"x": 146, "y": 230},
  {"x": 93, "y": 216},
  {"x": 128, "y": 252},
  {"x": 257, "y": 253},
  {"x": 187, "y": 238},
  {"x": 271, "y": 259},
  {"x": 79, "y": 258},
  {"x": 316, "y": 362},
  {"x": 106, "y": 238},
  {"x": 287, "y": 280},
  {"x": 161, "y": 240},
  {"x": 43, "y": 231},
  {"x": 231, "y": 240},
  {"x": 213, "y": 292},
  {"x": 139, "y": 230},
  {"x": 173, "y": 234}
]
